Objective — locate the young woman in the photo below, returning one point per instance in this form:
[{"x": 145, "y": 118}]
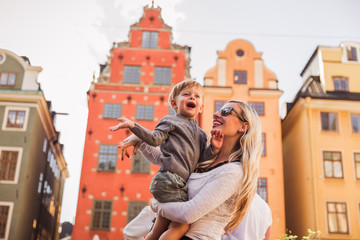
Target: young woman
[{"x": 221, "y": 189}]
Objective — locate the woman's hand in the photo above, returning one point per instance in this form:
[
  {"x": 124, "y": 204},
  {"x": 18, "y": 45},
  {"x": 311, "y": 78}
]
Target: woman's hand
[
  {"x": 124, "y": 123},
  {"x": 154, "y": 204},
  {"x": 131, "y": 141},
  {"x": 216, "y": 141}
]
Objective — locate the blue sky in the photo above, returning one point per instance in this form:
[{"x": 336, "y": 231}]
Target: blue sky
[{"x": 69, "y": 39}]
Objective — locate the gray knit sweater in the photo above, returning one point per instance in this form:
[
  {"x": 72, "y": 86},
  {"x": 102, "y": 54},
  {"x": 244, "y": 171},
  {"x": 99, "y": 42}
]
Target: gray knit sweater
[{"x": 182, "y": 143}]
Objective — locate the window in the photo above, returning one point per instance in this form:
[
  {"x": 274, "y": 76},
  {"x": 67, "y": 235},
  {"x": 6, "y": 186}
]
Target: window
[
  {"x": 7, "y": 79},
  {"x": 171, "y": 111},
  {"x": 144, "y": 112},
  {"x": 131, "y": 74},
  {"x": 351, "y": 54},
  {"x": 101, "y": 214},
  {"x": 107, "y": 157},
  {"x": 258, "y": 107},
  {"x": 263, "y": 136},
  {"x": 45, "y": 145},
  {"x": 2, "y": 58},
  {"x": 219, "y": 105},
  {"x": 341, "y": 84},
  {"x": 134, "y": 208},
  {"x": 15, "y": 119},
  {"x": 355, "y": 122},
  {"x": 240, "y": 52},
  {"x": 41, "y": 178},
  {"x": 112, "y": 111},
  {"x": 329, "y": 121},
  {"x": 337, "y": 217},
  {"x": 8, "y": 163},
  {"x": 262, "y": 188},
  {"x": 139, "y": 164},
  {"x": 332, "y": 164},
  {"x": 162, "y": 75},
  {"x": 4, "y": 213},
  {"x": 357, "y": 165},
  {"x": 5, "y": 218},
  {"x": 150, "y": 39},
  {"x": 240, "y": 77}
]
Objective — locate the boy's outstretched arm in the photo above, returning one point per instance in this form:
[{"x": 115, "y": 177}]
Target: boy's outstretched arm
[{"x": 124, "y": 123}]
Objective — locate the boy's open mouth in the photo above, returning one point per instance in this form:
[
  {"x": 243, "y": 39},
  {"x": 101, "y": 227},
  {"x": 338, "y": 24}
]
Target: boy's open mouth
[{"x": 191, "y": 105}]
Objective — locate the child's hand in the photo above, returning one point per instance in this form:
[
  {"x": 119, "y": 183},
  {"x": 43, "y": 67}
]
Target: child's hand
[
  {"x": 216, "y": 141},
  {"x": 133, "y": 141},
  {"x": 124, "y": 123}
]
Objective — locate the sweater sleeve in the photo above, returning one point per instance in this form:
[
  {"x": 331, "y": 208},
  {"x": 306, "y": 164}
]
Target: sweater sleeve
[
  {"x": 220, "y": 188},
  {"x": 152, "y": 154},
  {"x": 156, "y": 137},
  {"x": 206, "y": 150}
]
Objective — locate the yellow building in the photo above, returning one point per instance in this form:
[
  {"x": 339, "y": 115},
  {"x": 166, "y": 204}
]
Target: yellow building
[
  {"x": 241, "y": 74},
  {"x": 321, "y": 146}
]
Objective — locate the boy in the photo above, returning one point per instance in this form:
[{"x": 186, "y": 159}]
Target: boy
[{"x": 182, "y": 144}]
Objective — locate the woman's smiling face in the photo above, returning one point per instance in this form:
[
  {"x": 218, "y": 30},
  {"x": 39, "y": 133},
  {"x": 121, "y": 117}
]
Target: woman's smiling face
[{"x": 231, "y": 124}]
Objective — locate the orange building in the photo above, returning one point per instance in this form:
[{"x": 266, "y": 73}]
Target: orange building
[
  {"x": 321, "y": 139},
  {"x": 135, "y": 83},
  {"x": 241, "y": 74}
]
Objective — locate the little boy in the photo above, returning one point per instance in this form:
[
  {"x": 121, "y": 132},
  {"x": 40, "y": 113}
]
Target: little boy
[{"x": 182, "y": 144}]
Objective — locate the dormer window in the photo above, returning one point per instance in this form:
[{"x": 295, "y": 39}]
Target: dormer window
[
  {"x": 150, "y": 39},
  {"x": 341, "y": 84},
  {"x": 351, "y": 53}
]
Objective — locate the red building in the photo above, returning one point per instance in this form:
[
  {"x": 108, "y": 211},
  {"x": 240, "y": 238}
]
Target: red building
[{"x": 135, "y": 83}]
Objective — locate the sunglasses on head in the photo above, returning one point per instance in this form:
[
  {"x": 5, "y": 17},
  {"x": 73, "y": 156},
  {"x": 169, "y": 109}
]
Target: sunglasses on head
[{"x": 226, "y": 111}]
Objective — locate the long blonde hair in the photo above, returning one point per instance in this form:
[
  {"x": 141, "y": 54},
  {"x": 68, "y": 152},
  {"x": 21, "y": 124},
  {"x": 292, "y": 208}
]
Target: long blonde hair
[{"x": 248, "y": 152}]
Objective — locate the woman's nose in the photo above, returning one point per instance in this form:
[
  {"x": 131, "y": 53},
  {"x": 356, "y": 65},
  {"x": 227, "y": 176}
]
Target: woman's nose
[{"x": 216, "y": 115}]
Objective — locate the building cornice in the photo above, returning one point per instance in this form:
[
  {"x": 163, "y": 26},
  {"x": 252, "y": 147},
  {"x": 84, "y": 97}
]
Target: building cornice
[
  {"x": 265, "y": 92},
  {"x": 217, "y": 90}
]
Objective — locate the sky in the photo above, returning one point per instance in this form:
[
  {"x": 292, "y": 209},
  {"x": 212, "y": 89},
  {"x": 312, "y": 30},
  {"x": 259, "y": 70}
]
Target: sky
[{"x": 70, "y": 38}]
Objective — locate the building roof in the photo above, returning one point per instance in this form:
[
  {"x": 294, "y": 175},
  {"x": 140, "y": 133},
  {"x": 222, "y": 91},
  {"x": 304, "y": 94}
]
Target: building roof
[{"x": 312, "y": 88}]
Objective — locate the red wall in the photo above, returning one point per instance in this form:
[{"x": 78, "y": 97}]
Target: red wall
[{"x": 106, "y": 185}]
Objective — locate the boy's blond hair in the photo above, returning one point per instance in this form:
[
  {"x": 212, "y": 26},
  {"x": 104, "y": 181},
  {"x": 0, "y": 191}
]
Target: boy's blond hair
[{"x": 181, "y": 85}]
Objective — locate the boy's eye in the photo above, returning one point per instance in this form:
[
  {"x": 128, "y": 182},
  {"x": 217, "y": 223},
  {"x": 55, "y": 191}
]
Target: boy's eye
[{"x": 197, "y": 96}]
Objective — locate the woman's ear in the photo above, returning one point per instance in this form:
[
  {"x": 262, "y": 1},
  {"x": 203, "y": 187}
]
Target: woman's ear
[{"x": 244, "y": 127}]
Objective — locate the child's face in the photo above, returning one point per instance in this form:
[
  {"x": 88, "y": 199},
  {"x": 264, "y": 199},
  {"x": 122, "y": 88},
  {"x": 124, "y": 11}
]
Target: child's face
[{"x": 188, "y": 103}]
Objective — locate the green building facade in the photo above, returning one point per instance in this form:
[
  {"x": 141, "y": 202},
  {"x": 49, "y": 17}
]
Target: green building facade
[{"x": 32, "y": 165}]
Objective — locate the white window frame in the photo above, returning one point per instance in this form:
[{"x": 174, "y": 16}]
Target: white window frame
[
  {"x": 18, "y": 163},
  {"x": 3, "y": 58},
  {"x": 345, "y": 47},
  {"x": 6, "y": 115},
  {"x": 8, "y": 222},
  {"x": 347, "y": 216}
]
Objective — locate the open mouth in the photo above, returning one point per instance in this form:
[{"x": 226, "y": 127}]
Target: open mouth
[
  {"x": 216, "y": 123},
  {"x": 191, "y": 105}
]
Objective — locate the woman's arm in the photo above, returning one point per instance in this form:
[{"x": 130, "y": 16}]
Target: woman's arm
[{"x": 221, "y": 187}]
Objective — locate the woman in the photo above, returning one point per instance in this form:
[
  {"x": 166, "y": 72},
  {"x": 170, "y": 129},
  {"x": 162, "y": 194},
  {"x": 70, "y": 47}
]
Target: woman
[{"x": 221, "y": 190}]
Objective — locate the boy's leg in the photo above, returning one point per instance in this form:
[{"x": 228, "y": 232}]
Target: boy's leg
[
  {"x": 160, "y": 226},
  {"x": 175, "y": 231}
]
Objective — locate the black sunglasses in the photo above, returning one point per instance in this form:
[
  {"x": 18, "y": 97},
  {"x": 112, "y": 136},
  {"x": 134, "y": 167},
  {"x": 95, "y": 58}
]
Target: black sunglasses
[{"x": 226, "y": 111}]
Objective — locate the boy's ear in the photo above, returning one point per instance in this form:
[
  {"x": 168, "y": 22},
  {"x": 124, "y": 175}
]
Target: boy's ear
[
  {"x": 201, "y": 108},
  {"x": 173, "y": 104}
]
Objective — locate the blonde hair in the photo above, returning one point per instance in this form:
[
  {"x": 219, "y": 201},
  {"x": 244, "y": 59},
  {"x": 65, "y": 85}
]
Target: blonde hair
[
  {"x": 182, "y": 85},
  {"x": 248, "y": 151}
]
